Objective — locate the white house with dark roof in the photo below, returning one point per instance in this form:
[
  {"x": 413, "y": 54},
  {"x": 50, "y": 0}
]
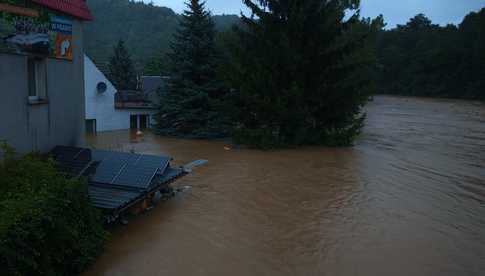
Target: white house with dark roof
[{"x": 108, "y": 109}]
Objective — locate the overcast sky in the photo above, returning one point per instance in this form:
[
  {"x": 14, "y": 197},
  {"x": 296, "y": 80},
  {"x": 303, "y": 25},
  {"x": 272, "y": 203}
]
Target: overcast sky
[{"x": 394, "y": 11}]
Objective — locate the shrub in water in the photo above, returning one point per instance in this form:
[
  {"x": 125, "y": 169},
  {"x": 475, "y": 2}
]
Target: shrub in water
[{"x": 47, "y": 225}]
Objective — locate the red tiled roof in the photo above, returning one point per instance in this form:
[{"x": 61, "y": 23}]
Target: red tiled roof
[{"x": 76, "y": 8}]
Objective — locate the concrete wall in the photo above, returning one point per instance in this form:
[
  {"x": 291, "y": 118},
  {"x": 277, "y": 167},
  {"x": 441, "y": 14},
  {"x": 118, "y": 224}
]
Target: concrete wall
[
  {"x": 60, "y": 121},
  {"x": 101, "y": 106}
]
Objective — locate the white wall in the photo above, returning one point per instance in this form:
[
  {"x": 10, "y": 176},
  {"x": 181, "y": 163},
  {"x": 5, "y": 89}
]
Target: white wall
[{"x": 101, "y": 106}]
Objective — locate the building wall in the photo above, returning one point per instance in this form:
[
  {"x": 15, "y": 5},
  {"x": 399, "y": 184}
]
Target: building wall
[
  {"x": 60, "y": 121},
  {"x": 100, "y": 106}
]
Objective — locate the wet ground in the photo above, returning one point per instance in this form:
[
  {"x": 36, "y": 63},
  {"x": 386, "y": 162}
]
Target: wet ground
[{"x": 408, "y": 199}]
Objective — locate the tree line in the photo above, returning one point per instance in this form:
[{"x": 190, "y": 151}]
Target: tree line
[
  {"x": 300, "y": 72},
  {"x": 425, "y": 59}
]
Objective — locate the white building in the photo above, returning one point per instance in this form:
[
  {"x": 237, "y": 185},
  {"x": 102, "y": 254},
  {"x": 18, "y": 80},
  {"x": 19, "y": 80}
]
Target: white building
[
  {"x": 41, "y": 74},
  {"x": 107, "y": 109}
]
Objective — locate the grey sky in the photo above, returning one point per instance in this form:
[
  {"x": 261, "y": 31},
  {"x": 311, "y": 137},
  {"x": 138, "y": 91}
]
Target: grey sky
[{"x": 394, "y": 11}]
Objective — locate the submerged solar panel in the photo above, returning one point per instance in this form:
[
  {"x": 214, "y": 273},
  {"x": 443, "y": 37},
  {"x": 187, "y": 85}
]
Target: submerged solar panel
[
  {"x": 110, "y": 165},
  {"x": 139, "y": 174},
  {"x": 169, "y": 175},
  {"x": 103, "y": 155},
  {"x": 116, "y": 179},
  {"x": 151, "y": 161},
  {"x": 135, "y": 176},
  {"x": 107, "y": 170},
  {"x": 71, "y": 160},
  {"x": 126, "y": 169}
]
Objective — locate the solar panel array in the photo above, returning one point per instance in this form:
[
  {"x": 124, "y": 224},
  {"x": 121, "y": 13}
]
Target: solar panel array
[
  {"x": 125, "y": 169},
  {"x": 110, "y": 165},
  {"x": 115, "y": 178},
  {"x": 72, "y": 160}
]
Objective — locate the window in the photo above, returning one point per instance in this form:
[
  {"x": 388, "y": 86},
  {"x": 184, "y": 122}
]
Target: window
[
  {"x": 139, "y": 121},
  {"x": 37, "y": 74}
]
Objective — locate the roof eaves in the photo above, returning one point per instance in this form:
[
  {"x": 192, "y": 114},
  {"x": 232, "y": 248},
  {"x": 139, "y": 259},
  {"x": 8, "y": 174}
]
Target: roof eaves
[{"x": 76, "y": 8}]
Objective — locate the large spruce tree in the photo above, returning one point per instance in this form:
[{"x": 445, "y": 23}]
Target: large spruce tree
[
  {"x": 191, "y": 105},
  {"x": 121, "y": 70},
  {"x": 303, "y": 72}
]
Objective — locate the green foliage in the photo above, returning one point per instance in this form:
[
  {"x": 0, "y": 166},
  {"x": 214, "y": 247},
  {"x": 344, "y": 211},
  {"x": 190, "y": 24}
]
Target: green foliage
[
  {"x": 423, "y": 59},
  {"x": 153, "y": 67},
  {"x": 157, "y": 66},
  {"x": 191, "y": 106},
  {"x": 146, "y": 29},
  {"x": 302, "y": 72},
  {"x": 121, "y": 70},
  {"x": 225, "y": 22},
  {"x": 47, "y": 225}
]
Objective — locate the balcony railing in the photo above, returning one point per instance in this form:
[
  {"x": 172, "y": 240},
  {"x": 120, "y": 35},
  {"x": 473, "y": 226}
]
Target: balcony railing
[{"x": 135, "y": 105}]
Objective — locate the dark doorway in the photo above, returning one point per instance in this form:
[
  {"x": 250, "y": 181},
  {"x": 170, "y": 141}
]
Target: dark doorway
[
  {"x": 143, "y": 121},
  {"x": 133, "y": 121},
  {"x": 91, "y": 126}
]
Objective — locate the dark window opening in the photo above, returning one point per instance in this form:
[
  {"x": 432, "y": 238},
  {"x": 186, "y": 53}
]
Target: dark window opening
[
  {"x": 37, "y": 78},
  {"x": 91, "y": 126},
  {"x": 140, "y": 121}
]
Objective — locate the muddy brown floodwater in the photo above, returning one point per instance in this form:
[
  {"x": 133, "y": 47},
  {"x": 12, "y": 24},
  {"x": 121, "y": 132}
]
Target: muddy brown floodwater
[{"x": 408, "y": 199}]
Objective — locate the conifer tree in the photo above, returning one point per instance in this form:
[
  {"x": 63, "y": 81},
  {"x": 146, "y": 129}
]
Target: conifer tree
[
  {"x": 302, "y": 71},
  {"x": 190, "y": 107},
  {"x": 121, "y": 70}
]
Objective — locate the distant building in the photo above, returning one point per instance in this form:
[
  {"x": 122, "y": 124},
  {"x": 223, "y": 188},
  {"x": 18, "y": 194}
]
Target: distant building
[
  {"x": 41, "y": 73},
  {"x": 109, "y": 109}
]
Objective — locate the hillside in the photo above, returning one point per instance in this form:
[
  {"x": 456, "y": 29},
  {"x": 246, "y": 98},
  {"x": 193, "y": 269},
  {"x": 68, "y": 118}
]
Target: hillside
[{"x": 146, "y": 29}]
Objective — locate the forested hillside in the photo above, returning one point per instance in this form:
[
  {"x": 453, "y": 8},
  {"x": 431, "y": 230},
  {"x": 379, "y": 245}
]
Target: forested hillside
[
  {"x": 146, "y": 29},
  {"x": 418, "y": 58},
  {"x": 424, "y": 59}
]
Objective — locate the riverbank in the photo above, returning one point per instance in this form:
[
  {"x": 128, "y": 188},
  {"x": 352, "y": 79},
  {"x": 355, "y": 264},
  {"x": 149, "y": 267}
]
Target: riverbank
[{"x": 407, "y": 199}]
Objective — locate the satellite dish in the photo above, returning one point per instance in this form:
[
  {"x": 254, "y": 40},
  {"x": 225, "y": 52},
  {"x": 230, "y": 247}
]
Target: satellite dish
[{"x": 101, "y": 87}]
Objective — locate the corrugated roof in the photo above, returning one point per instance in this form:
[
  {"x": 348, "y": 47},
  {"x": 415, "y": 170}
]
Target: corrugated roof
[
  {"x": 76, "y": 8},
  {"x": 109, "y": 198}
]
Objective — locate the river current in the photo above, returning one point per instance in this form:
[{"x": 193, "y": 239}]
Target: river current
[{"x": 407, "y": 199}]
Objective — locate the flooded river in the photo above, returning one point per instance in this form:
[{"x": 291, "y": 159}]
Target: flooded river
[{"x": 408, "y": 199}]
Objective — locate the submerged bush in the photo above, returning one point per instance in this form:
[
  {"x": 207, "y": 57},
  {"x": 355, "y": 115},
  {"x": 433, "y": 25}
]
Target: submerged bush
[{"x": 47, "y": 225}]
